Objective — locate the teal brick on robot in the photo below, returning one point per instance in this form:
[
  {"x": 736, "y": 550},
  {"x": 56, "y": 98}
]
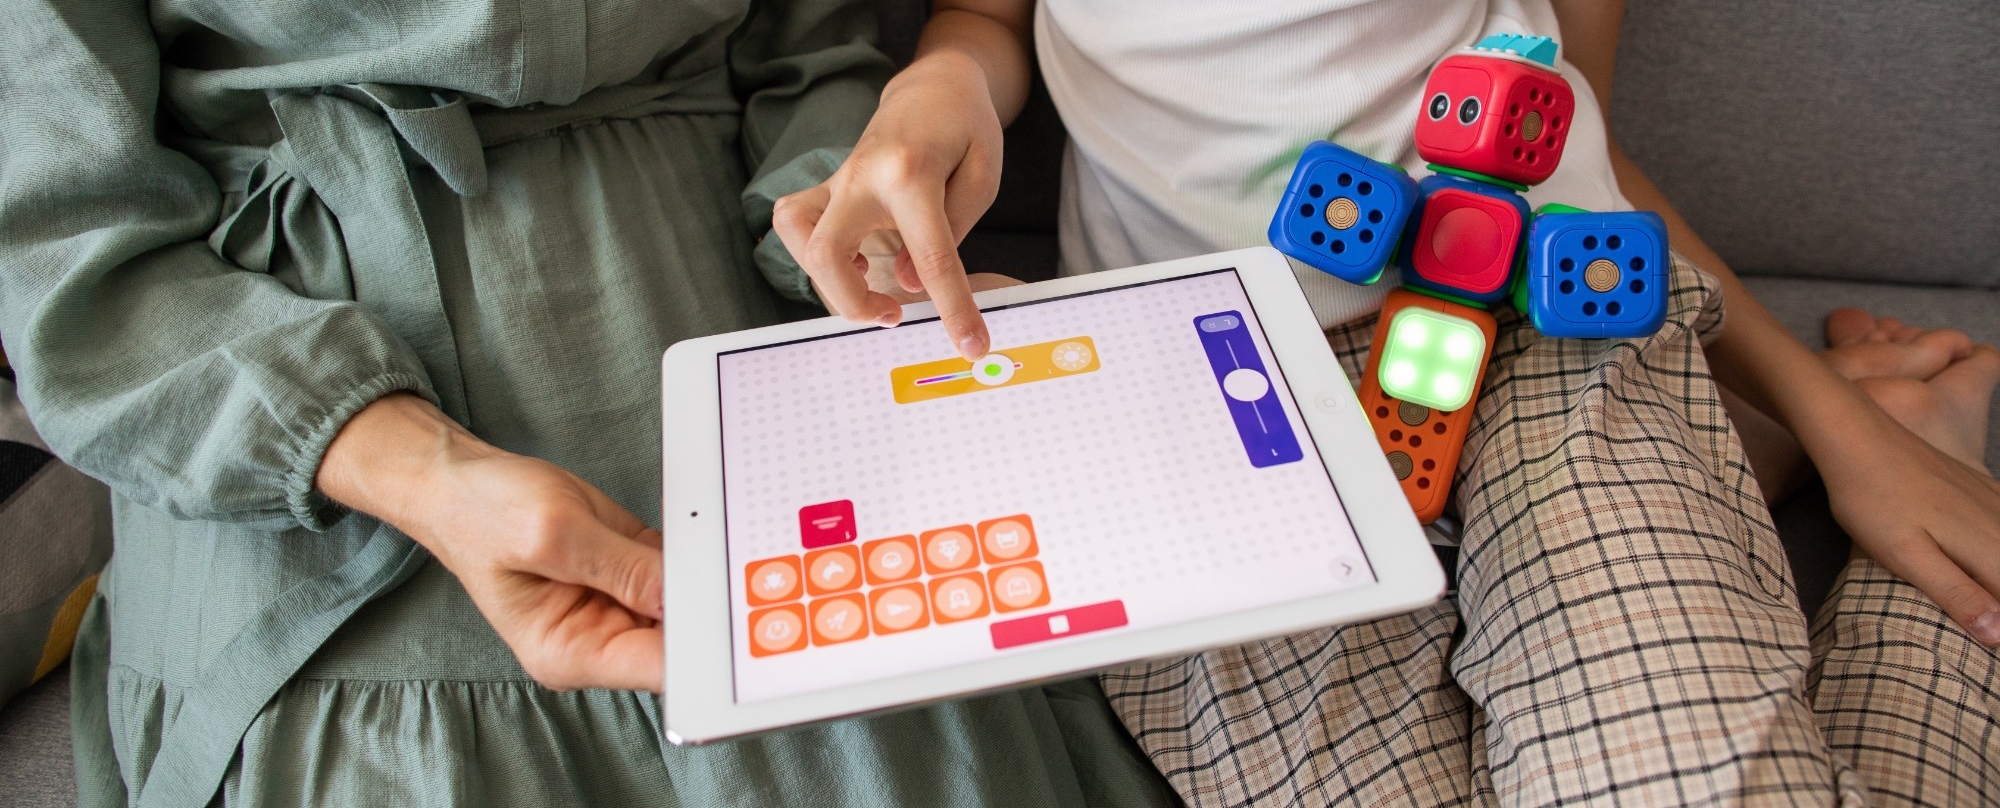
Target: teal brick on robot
[
  {"x": 1597, "y": 275},
  {"x": 1343, "y": 213},
  {"x": 1538, "y": 49}
]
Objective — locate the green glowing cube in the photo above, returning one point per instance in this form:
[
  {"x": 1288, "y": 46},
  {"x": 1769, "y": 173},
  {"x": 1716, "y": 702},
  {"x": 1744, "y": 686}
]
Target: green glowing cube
[{"x": 1432, "y": 358}]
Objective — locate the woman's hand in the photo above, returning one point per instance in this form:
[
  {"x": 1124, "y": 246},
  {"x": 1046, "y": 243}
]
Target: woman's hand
[
  {"x": 926, "y": 168},
  {"x": 570, "y": 580}
]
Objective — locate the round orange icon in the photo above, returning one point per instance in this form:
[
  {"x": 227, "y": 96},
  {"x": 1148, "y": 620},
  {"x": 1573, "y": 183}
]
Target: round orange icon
[
  {"x": 774, "y": 580},
  {"x": 1019, "y": 587},
  {"x": 833, "y": 569},
  {"x": 1007, "y": 539},
  {"x": 949, "y": 549},
  {"x": 776, "y": 631},
  {"x": 958, "y": 598},
  {"x": 891, "y": 559},
  {"x": 838, "y": 620},
  {"x": 899, "y": 609}
]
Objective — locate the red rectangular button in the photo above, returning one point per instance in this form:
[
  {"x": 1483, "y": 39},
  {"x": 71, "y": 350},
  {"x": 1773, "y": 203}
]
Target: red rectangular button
[
  {"x": 1052, "y": 625},
  {"x": 827, "y": 523}
]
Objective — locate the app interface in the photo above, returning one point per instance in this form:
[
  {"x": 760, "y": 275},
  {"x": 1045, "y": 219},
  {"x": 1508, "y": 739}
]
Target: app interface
[{"x": 1121, "y": 460}]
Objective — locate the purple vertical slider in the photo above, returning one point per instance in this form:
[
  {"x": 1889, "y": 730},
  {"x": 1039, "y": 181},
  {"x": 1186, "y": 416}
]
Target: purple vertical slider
[{"x": 1247, "y": 389}]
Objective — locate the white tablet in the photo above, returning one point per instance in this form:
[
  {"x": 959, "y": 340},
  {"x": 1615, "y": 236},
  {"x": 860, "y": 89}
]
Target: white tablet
[{"x": 1151, "y": 461}]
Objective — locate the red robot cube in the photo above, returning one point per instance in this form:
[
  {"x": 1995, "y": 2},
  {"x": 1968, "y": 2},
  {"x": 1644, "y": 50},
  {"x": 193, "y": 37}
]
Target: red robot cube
[
  {"x": 1421, "y": 443},
  {"x": 1467, "y": 236},
  {"x": 1493, "y": 115}
]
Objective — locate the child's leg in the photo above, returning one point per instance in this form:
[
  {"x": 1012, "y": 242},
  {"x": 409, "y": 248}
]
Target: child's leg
[
  {"x": 1905, "y": 694},
  {"x": 1365, "y": 714},
  {"x": 1631, "y": 632}
]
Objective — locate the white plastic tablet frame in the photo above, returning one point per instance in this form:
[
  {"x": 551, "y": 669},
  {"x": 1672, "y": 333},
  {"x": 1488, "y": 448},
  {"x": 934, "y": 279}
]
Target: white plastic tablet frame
[{"x": 699, "y": 703}]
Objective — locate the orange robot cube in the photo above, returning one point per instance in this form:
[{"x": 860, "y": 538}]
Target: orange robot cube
[{"x": 1423, "y": 441}]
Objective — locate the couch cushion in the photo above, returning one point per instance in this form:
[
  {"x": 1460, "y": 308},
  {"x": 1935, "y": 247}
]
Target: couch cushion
[
  {"x": 1845, "y": 139},
  {"x": 55, "y": 534},
  {"x": 35, "y": 766}
]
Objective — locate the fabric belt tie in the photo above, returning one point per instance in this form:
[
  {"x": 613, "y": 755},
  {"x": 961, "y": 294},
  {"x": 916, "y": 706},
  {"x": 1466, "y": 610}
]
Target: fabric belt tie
[
  {"x": 351, "y": 156},
  {"x": 195, "y": 755},
  {"x": 354, "y": 147}
]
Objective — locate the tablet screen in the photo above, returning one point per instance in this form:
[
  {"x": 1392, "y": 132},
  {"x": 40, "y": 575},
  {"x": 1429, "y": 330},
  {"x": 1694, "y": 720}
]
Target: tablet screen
[{"x": 1124, "y": 459}]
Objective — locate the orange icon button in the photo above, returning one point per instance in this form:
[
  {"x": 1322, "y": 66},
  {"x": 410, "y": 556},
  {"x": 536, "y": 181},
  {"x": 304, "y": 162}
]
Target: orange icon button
[
  {"x": 838, "y": 619},
  {"x": 949, "y": 550},
  {"x": 1017, "y": 587},
  {"x": 891, "y": 560},
  {"x": 959, "y": 597},
  {"x": 898, "y": 608},
  {"x": 1007, "y": 539},
  {"x": 777, "y": 630},
  {"x": 833, "y": 569},
  {"x": 771, "y": 580}
]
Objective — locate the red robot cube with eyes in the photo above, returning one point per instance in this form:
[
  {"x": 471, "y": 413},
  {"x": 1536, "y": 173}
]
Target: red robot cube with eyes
[{"x": 1489, "y": 114}]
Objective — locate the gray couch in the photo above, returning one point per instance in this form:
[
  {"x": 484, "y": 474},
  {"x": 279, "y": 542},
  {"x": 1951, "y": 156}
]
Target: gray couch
[{"x": 1837, "y": 153}]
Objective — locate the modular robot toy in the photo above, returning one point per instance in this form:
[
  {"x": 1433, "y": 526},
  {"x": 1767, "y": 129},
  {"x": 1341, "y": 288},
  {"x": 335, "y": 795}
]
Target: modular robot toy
[{"x": 1494, "y": 122}]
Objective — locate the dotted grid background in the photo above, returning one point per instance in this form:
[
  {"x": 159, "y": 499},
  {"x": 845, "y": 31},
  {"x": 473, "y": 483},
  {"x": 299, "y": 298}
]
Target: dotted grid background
[{"x": 1134, "y": 475}]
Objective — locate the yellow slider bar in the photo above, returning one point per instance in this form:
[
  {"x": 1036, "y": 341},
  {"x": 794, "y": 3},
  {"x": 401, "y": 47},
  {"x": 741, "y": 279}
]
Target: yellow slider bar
[{"x": 1003, "y": 368}]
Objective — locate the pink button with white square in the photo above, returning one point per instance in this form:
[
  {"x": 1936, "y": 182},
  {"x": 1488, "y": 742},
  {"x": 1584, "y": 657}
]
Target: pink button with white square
[{"x": 1054, "y": 625}]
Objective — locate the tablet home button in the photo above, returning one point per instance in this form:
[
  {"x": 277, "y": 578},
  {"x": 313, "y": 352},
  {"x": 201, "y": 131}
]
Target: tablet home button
[{"x": 1065, "y": 623}]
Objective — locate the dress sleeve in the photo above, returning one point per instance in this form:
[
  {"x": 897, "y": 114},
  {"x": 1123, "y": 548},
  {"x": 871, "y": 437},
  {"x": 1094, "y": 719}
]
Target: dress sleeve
[
  {"x": 809, "y": 76},
  {"x": 188, "y": 384}
]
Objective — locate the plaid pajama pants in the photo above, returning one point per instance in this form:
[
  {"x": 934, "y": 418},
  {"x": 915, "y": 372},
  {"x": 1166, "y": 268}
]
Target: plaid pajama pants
[{"x": 1625, "y": 630}]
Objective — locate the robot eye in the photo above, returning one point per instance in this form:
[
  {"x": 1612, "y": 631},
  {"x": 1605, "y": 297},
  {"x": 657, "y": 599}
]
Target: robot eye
[
  {"x": 1468, "y": 110},
  {"x": 1440, "y": 106}
]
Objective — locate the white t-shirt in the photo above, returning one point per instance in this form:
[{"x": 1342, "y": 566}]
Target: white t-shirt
[{"x": 1186, "y": 116}]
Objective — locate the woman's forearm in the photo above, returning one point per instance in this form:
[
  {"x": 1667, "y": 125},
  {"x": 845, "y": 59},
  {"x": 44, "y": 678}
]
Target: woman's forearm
[{"x": 383, "y": 461}]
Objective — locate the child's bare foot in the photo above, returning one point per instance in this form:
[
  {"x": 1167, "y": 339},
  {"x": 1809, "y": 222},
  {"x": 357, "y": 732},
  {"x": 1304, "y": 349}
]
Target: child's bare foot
[
  {"x": 1936, "y": 383},
  {"x": 1863, "y": 346},
  {"x": 1950, "y": 410}
]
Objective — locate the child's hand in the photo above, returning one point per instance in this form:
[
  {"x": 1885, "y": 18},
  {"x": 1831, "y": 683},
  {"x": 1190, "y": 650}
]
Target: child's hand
[
  {"x": 1926, "y": 516},
  {"x": 926, "y": 168},
  {"x": 883, "y": 248}
]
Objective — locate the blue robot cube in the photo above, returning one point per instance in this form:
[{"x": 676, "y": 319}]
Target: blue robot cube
[
  {"x": 1343, "y": 213},
  {"x": 1598, "y": 275}
]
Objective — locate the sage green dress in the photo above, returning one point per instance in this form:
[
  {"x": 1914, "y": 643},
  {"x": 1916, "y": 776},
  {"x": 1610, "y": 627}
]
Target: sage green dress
[{"x": 226, "y": 225}]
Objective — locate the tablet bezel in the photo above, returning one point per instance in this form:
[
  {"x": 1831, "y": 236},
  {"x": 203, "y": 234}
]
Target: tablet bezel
[{"x": 698, "y": 700}]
